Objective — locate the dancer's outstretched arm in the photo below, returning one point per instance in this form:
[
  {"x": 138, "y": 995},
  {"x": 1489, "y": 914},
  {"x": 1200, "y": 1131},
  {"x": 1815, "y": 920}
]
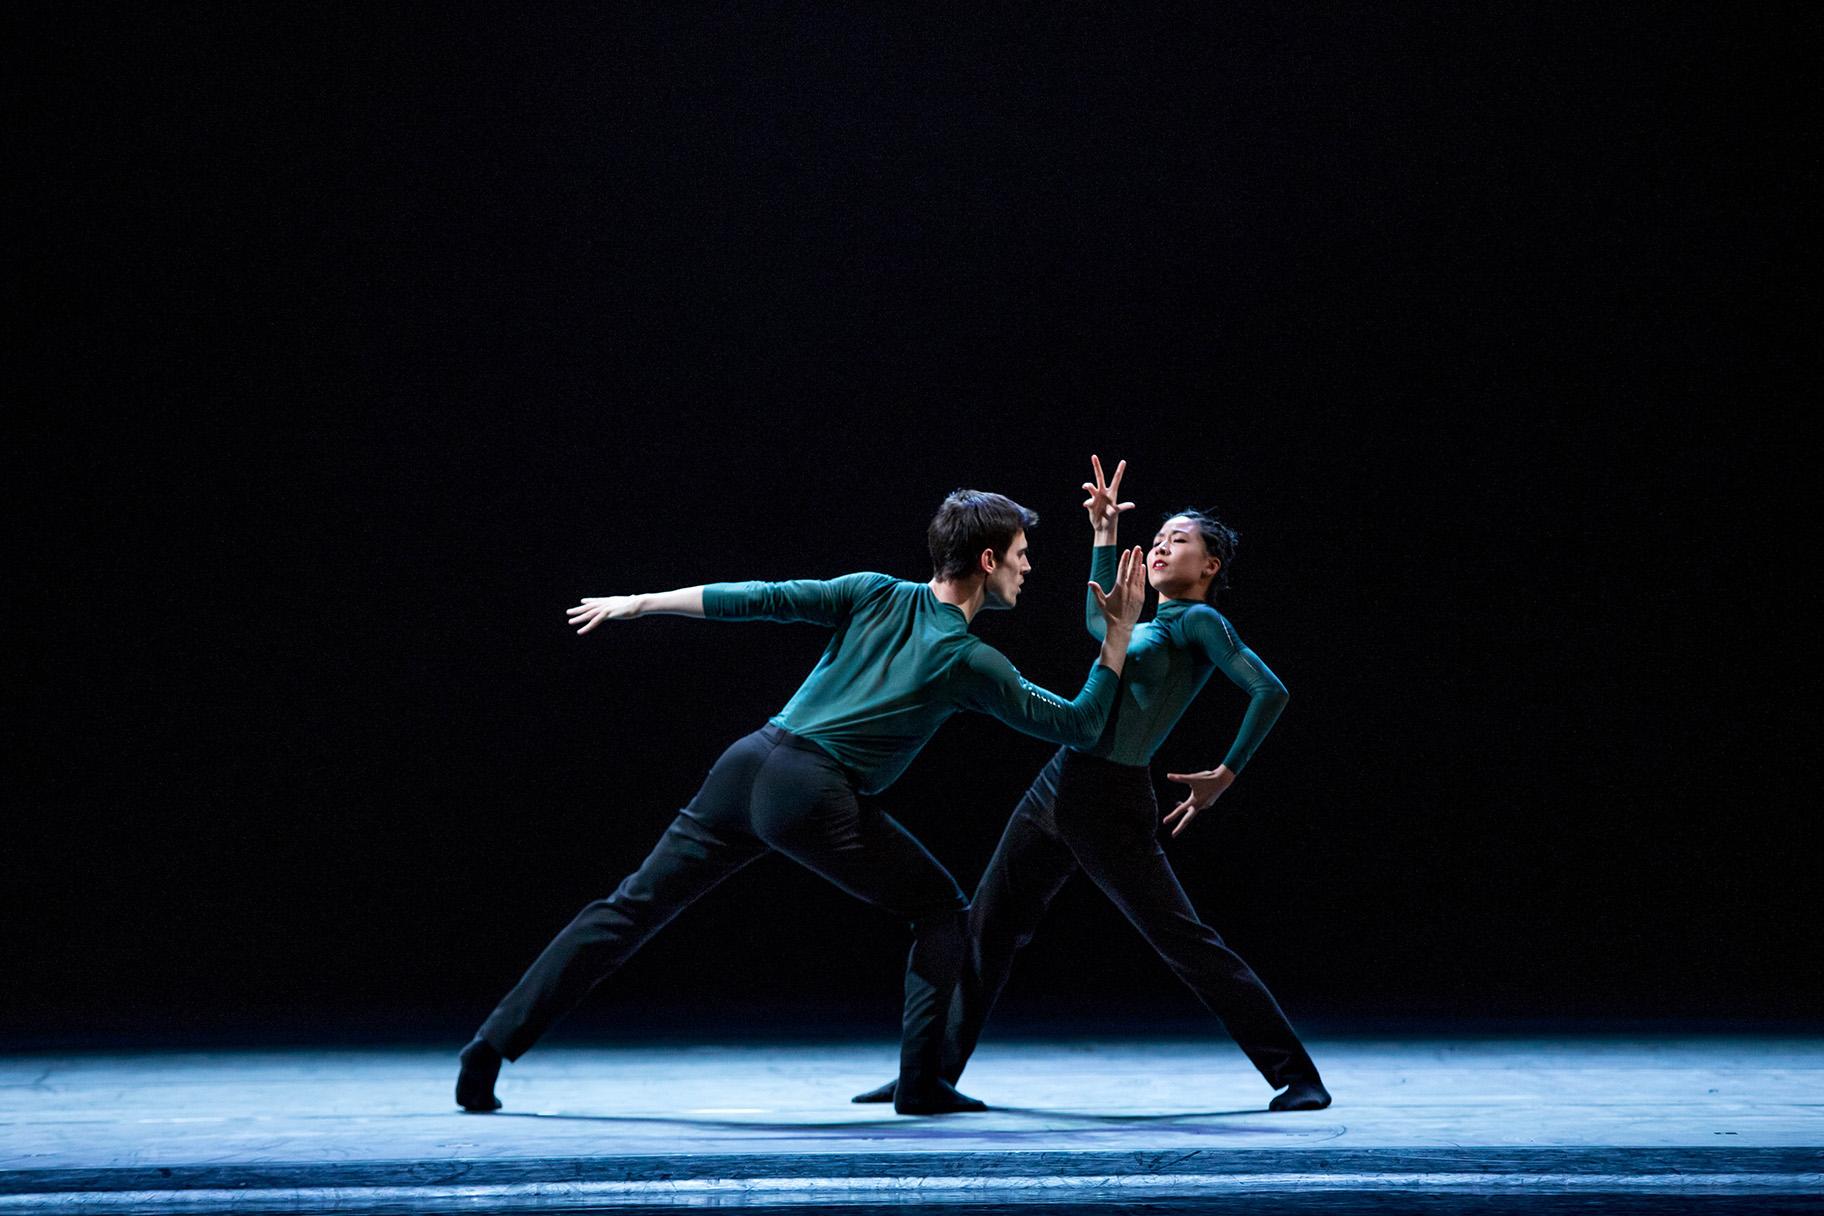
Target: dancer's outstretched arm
[
  {"x": 1105, "y": 509},
  {"x": 686, "y": 601},
  {"x": 816, "y": 600},
  {"x": 991, "y": 685}
]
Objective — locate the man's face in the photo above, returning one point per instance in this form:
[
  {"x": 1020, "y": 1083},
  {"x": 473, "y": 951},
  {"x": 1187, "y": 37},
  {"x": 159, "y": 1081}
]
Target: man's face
[{"x": 1003, "y": 583}]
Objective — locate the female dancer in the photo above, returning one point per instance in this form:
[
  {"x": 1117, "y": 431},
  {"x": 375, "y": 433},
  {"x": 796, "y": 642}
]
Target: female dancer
[{"x": 1094, "y": 810}]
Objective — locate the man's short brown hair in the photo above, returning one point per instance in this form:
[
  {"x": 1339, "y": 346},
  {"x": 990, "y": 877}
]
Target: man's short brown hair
[{"x": 969, "y": 522}]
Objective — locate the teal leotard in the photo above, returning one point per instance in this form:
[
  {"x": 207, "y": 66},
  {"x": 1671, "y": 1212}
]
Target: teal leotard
[{"x": 1168, "y": 663}]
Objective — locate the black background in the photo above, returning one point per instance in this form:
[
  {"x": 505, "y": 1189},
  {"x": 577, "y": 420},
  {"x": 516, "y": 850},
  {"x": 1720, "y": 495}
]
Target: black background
[{"x": 352, "y": 347}]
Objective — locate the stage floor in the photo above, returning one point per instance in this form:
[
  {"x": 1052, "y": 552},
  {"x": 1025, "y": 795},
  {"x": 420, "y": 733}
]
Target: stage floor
[{"x": 1470, "y": 1124}]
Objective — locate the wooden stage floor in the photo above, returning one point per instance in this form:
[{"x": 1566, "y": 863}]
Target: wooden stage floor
[{"x": 1711, "y": 1123}]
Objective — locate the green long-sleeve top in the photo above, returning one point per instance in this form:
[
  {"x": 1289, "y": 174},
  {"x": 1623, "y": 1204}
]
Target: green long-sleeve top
[
  {"x": 901, "y": 662},
  {"x": 1168, "y": 662}
]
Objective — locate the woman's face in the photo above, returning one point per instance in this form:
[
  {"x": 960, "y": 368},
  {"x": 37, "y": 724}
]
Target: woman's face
[{"x": 1179, "y": 560}]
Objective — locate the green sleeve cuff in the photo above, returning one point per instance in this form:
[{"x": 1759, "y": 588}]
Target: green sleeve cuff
[{"x": 724, "y": 600}]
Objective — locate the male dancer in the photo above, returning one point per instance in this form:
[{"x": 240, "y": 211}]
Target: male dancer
[
  {"x": 1093, "y": 809},
  {"x": 901, "y": 662}
]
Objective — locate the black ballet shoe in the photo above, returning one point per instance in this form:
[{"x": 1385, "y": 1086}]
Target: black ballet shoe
[
  {"x": 1305, "y": 1094},
  {"x": 939, "y": 1098},
  {"x": 475, "y": 1083},
  {"x": 883, "y": 1094}
]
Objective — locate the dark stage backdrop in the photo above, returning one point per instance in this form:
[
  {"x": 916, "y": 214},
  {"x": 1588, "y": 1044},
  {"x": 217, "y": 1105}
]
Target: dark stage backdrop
[{"x": 354, "y": 347}]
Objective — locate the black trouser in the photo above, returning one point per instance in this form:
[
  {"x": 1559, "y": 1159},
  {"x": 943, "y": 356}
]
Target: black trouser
[
  {"x": 1088, "y": 814},
  {"x": 770, "y": 792}
]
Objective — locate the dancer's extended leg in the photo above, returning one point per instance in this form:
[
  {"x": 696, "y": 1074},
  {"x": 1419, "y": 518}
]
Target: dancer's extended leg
[
  {"x": 1028, "y": 867},
  {"x": 1111, "y": 823},
  {"x": 707, "y": 842}
]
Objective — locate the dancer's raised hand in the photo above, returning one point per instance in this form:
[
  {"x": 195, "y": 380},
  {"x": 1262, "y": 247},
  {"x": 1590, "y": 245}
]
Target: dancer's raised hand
[
  {"x": 1120, "y": 606},
  {"x": 596, "y": 609},
  {"x": 1205, "y": 787},
  {"x": 1104, "y": 502}
]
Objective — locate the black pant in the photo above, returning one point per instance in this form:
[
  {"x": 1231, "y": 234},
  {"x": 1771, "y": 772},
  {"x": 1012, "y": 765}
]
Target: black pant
[
  {"x": 770, "y": 791},
  {"x": 1088, "y": 814}
]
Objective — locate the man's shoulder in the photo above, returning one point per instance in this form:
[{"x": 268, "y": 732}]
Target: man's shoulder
[
  {"x": 977, "y": 655},
  {"x": 872, "y": 582}
]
